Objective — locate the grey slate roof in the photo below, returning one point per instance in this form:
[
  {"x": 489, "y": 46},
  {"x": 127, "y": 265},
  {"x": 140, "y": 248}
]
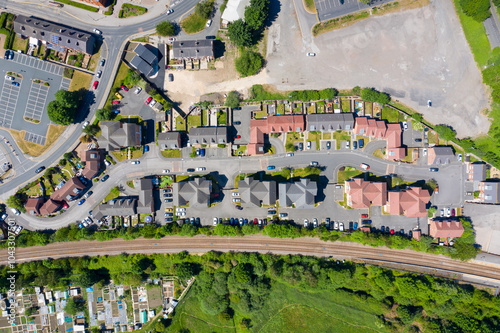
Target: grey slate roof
[
  {"x": 196, "y": 192},
  {"x": 116, "y": 135},
  {"x": 54, "y": 33},
  {"x": 326, "y": 122},
  {"x": 169, "y": 140},
  {"x": 491, "y": 192},
  {"x": 443, "y": 155},
  {"x": 478, "y": 172},
  {"x": 145, "y": 205},
  {"x": 302, "y": 194},
  {"x": 254, "y": 192},
  {"x": 141, "y": 65},
  {"x": 145, "y": 54},
  {"x": 208, "y": 135},
  {"x": 193, "y": 49}
]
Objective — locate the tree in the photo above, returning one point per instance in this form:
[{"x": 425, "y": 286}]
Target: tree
[
  {"x": 479, "y": 10},
  {"x": 165, "y": 28},
  {"x": 63, "y": 109},
  {"x": 372, "y": 95},
  {"x": 240, "y": 33},
  {"x": 445, "y": 132},
  {"x": 74, "y": 305},
  {"x": 418, "y": 117},
  {"x": 249, "y": 63},
  {"x": 204, "y": 8},
  {"x": 63, "y": 162},
  {"x": 86, "y": 138},
  {"x": 104, "y": 114},
  {"x": 92, "y": 129},
  {"x": 256, "y": 14},
  {"x": 328, "y": 93},
  {"x": 185, "y": 270},
  {"x": 232, "y": 99},
  {"x": 68, "y": 155},
  {"x": 15, "y": 201}
]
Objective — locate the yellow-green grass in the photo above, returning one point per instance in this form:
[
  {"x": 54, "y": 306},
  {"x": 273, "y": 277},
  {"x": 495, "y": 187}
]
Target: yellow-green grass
[
  {"x": 194, "y": 23},
  {"x": 34, "y": 149},
  {"x": 344, "y": 175},
  {"x": 310, "y": 6},
  {"x": 180, "y": 124},
  {"x": 171, "y": 153},
  {"x": 80, "y": 80}
]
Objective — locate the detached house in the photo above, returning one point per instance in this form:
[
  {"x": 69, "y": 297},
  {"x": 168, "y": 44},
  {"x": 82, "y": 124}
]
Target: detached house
[
  {"x": 116, "y": 135},
  {"x": 411, "y": 202},
  {"x": 92, "y": 159},
  {"x": 489, "y": 192},
  {"x": 69, "y": 191},
  {"x": 440, "y": 155},
  {"x": 254, "y": 193},
  {"x": 363, "y": 194},
  {"x": 196, "y": 192},
  {"x": 301, "y": 195}
]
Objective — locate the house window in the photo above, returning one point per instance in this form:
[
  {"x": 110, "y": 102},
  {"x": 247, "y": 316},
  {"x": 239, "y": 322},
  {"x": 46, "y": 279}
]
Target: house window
[{"x": 362, "y": 130}]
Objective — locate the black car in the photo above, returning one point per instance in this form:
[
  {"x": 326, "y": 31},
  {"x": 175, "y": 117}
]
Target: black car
[
  {"x": 190, "y": 170},
  {"x": 210, "y": 37},
  {"x": 328, "y": 145},
  {"x": 40, "y": 169},
  {"x": 170, "y": 77},
  {"x": 301, "y": 146},
  {"x": 239, "y": 207},
  {"x": 11, "y": 55},
  {"x": 169, "y": 219},
  {"x": 433, "y": 169},
  {"x": 168, "y": 200},
  {"x": 197, "y": 221},
  {"x": 6, "y": 56},
  {"x": 418, "y": 140},
  {"x": 236, "y": 122},
  {"x": 103, "y": 61},
  {"x": 103, "y": 179}
]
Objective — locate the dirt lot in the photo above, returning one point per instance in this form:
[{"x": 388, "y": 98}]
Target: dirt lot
[{"x": 415, "y": 56}]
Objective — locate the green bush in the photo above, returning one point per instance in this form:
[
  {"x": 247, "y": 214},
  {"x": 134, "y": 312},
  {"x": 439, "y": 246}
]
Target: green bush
[
  {"x": 249, "y": 63},
  {"x": 479, "y": 10},
  {"x": 165, "y": 28}
]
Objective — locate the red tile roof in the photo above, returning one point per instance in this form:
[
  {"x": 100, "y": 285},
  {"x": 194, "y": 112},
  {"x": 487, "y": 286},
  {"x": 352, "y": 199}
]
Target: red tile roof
[
  {"x": 362, "y": 194},
  {"x": 49, "y": 207},
  {"x": 33, "y": 205},
  {"x": 280, "y": 124},
  {"x": 445, "y": 229},
  {"x": 411, "y": 202}
]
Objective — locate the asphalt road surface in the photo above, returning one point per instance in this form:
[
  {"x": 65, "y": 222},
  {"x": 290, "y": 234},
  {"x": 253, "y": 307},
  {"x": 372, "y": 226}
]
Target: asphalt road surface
[{"x": 304, "y": 246}]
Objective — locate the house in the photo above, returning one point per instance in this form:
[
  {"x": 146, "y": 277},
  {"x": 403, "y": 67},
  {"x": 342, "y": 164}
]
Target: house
[
  {"x": 328, "y": 122},
  {"x": 411, "y": 202},
  {"x": 69, "y": 191},
  {"x": 196, "y": 192},
  {"x": 476, "y": 173},
  {"x": 378, "y": 129},
  {"x": 127, "y": 206},
  {"x": 489, "y": 192},
  {"x": 256, "y": 145},
  {"x": 54, "y": 36},
  {"x": 362, "y": 194},
  {"x": 33, "y": 205},
  {"x": 50, "y": 207},
  {"x": 212, "y": 135},
  {"x": 193, "y": 49},
  {"x": 145, "y": 61},
  {"x": 116, "y": 135},
  {"x": 299, "y": 194},
  {"x": 169, "y": 140},
  {"x": 92, "y": 159},
  {"x": 372, "y": 128},
  {"x": 440, "y": 155},
  {"x": 254, "y": 193},
  {"x": 235, "y": 10},
  {"x": 395, "y": 151},
  {"x": 448, "y": 228},
  {"x": 280, "y": 124}
]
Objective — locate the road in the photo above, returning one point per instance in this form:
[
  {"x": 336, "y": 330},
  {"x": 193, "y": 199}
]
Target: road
[
  {"x": 305, "y": 246},
  {"x": 449, "y": 177},
  {"x": 114, "y": 40}
]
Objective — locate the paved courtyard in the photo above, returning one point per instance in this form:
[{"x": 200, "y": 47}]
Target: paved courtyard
[
  {"x": 415, "y": 55},
  {"x": 29, "y": 99}
]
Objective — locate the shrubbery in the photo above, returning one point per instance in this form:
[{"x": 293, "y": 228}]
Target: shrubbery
[
  {"x": 479, "y": 10},
  {"x": 249, "y": 63}
]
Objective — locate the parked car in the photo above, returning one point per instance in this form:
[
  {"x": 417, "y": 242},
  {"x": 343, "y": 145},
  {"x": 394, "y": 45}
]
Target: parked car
[
  {"x": 239, "y": 207},
  {"x": 202, "y": 152},
  {"x": 96, "y": 83},
  {"x": 301, "y": 146},
  {"x": 355, "y": 227},
  {"x": 453, "y": 212},
  {"x": 236, "y": 122},
  {"x": 235, "y": 194},
  {"x": 365, "y": 166},
  {"x": 429, "y": 103},
  {"x": 289, "y": 154},
  {"x": 88, "y": 194},
  {"x": 354, "y": 145},
  {"x": 136, "y": 162},
  {"x": 148, "y": 100},
  {"x": 201, "y": 169},
  {"x": 306, "y": 223},
  {"x": 441, "y": 213},
  {"x": 124, "y": 87},
  {"x": 236, "y": 200},
  {"x": 40, "y": 169},
  {"x": 308, "y": 145},
  {"x": 98, "y": 74},
  {"x": 348, "y": 144},
  {"x": 315, "y": 222},
  {"x": 425, "y": 151},
  {"x": 433, "y": 169},
  {"x": 341, "y": 226},
  {"x": 335, "y": 225},
  {"x": 115, "y": 102},
  {"x": 364, "y": 216},
  {"x": 448, "y": 212},
  {"x": 153, "y": 103},
  {"x": 97, "y": 31},
  {"x": 190, "y": 170},
  {"x": 170, "y": 77},
  {"x": 328, "y": 222},
  {"x": 328, "y": 145},
  {"x": 81, "y": 202},
  {"x": 103, "y": 179},
  {"x": 103, "y": 61},
  {"x": 283, "y": 214},
  {"x": 6, "y": 55},
  {"x": 392, "y": 232},
  {"x": 209, "y": 23},
  {"x": 271, "y": 167},
  {"x": 314, "y": 163},
  {"x": 210, "y": 37},
  {"x": 166, "y": 171},
  {"x": 361, "y": 143},
  {"x": 311, "y": 54},
  {"x": 16, "y": 84},
  {"x": 138, "y": 90},
  {"x": 418, "y": 140},
  {"x": 405, "y": 125},
  {"x": 460, "y": 157},
  {"x": 382, "y": 229},
  {"x": 171, "y": 39},
  {"x": 271, "y": 212},
  {"x": 85, "y": 124},
  {"x": 11, "y": 55},
  {"x": 8, "y": 77}
]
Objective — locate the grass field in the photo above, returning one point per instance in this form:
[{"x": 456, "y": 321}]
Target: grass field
[
  {"x": 131, "y": 10},
  {"x": 286, "y": 310},
  {"x": 34, "y": 149},
  {"x": 344, "y": 175},
  {"x": 194, "y": 23},
  {"x": 79, "y": 81}
]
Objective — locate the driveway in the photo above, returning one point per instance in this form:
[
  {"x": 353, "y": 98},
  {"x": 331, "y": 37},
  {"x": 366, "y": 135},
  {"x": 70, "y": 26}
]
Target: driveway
[{"x": 415, "y": 55}]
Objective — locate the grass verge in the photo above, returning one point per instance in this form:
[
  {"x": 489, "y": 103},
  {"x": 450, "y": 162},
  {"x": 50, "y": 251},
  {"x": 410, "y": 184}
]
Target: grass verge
[
  {"x": 194, "y": 23},
  {"x": 34, "y": 149},
  {"x": 79, "y": 81},
  {"x": 171, "y": 153},
  {"x": 131, "y": 10},
  {"x": 309, "y": 6}
]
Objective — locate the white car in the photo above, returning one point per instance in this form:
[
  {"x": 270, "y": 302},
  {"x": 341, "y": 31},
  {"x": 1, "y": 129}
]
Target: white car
[
  {"x": 98, "y": 74},
  {"x": 201, "y": 169},
  {"x": 348, "y": 144},
  {"x": 236, "y": 200},
  {"x": 336, "y": 225},
  {"x": 289, "y": 154},
  {"x": 209, "y": 23},
  {"x": 235, "y": 194},
  {"x": 15, "y": 211},
  {"x": 364, "y": 166},
  {"x": 341, "y": 226},
  {"x": 4, "y": 216},
  {"x": 308, "y": 145},
  {"x": 136, "y": 162},
  {"x": 448, "y": 212},
  {"x": 260, "y": 222},
  {"x": 180, "y": 209},
  {"x": 97, "y": 31},
  {"x": 170, "y": 11},
  {"x": 153, "y": 103},
  {"x": 138, "y": 90},
  {"x": 166, "y": 171},
  {"x": 429, "y": 103},
  {"x": 85, "y": 124},
  {"x": 425, "y": 151},
  {"x": 315, "y": 222},
  {"x": 311, "y": 54},
  {"x": 306, "y": 223},
  {"x": 441, "y": 213},
  {"x": 8, "y": 77},
  {"x": 405, "y": 125},
  {"x": 460, "y": 157},
  {"x": 215, "y": 221},
  {"x": 171, "y": 39},
  {"x": 18, "y": 230},
  {"x": 108, "y": 163}
]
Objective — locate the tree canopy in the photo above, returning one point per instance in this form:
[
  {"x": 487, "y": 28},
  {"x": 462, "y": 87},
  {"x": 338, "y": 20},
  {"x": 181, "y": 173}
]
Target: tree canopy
[
  {"x": 240, "y": 33},
  {"x": 445, "y": 132},
  {"x": 479, "y": 10},
  {"x": 204, "y": 8},
  {"x": 232, "y": 99},
  {"x": 15, "y": 201},
  {"x": 165, "y": 28},
  {"x": 104, "y": 114},
  {"x": 249, "y": 63},
  {"x": 372, "y": 95},
  {"x": 63, "y": 109},
  {"x": 256, "y": 14}
]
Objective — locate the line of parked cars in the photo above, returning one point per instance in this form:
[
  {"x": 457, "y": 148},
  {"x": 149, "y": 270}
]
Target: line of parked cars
[{"x": 239, "y": 221}]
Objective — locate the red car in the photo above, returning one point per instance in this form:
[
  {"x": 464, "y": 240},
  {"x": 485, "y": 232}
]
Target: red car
[
  {"x": 124, "y": 88},
  {"x": 392, "y": 231},
  {"x": 364, "y": 216},
  {"x": 255, "y": 221},
  {"x": 453, "y": 212},
  {"x": 96, "y": 83},
  {"x": 115, "y": 102},
  {"x": 237, "y": 136},
  {"x": 148, "y": 100}
]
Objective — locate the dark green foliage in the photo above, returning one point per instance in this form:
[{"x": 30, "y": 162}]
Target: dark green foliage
[
  {"x": 445, "y": 132},
  {"x": 15, "y": 201},
  {"x": 185, "y": 271},
  {"x": 372, "y": 95},
  {"x": 256, "y": 14},
  {"x": 258, "y": 93},
  {"x": 204, "y": 8},
  {"x": 418, "y": 117},
  {"x": 74, "y": 305},
  {"x": 479, "y": 10},
  {"x": 91, "y": 129},
  {"x": 63, "y": 162},
  {"x": 232, "y": 99},
  {"x": 249, "y": 63},
  {"x": 63, "y": 109},
  {"x": 240, "y": 33},
  {"x": 165, "y": 28},
  {"x": 104, "y": 114},
  {"x": 132, "y": 78},
  {"x": 328, "y": 93}
]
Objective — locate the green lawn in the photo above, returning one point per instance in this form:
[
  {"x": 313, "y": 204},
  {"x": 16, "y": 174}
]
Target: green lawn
[
  {"x": 307, "y": 172},
  {"x": 349, "y": 172},
  {"x": 171, "y": 153},
  {"x": 340, "y": 136},
  {"x": 120, "y": 76},
  {"x": 313, "y": 136},
  {"x": 346, "y": 105},
  {"x": 260, "y": 114},
  {"x": 221, "y": 118},
  {"x": 180, "y": 124},
  {"x": 113, "y": 193},
  {"x": 194, "y": 23},
  {"x": 391, "y": 115},
  {"x": 242, "y": 150},
  {"x": 194, "y": 121},
  {"x": 131, "y": 10}
]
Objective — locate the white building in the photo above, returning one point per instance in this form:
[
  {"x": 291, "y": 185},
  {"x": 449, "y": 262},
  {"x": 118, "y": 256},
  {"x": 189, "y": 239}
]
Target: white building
[{"x": 235, "y": 10}]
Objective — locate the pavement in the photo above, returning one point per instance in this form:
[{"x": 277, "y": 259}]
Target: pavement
[
  {"x": 328, "y": 9},
  {"x": 484, "y": 273},
  {"x": 414, "y": 55}
]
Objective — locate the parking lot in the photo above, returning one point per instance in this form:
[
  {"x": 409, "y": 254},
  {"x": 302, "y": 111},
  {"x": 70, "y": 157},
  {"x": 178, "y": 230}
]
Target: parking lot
[
  {"x": 328, "y": 9},
  {"x": 29, "y": 99}
]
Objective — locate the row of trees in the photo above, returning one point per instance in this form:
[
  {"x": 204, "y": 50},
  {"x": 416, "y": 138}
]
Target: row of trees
[
  {"x": 463, "y": 250},
  {"x": 242, "y": 283}
]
